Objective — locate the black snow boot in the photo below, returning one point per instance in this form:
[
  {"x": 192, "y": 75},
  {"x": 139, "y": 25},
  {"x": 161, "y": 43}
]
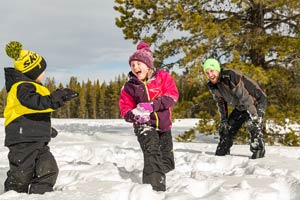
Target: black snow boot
[
  {"x": 224, "y": 146},
  {"x": 257, "y": 147}
]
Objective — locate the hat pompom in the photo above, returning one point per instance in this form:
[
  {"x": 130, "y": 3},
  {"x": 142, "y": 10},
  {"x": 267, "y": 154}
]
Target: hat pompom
[
  {"x": 143, "y": 45},
  {"x": 13, "y": 49}
]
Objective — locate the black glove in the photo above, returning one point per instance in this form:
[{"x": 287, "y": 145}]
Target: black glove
[
  {"x": 57, "y": 99},
  {"x": 256, "y": 119},
  {"x": 53, "y": 132},
  {"x": 59, "y": 96},
  {"x": 223, "y": 127},
  {"x": 256, "y": 124},
  {"x": 69, "y": 94}
]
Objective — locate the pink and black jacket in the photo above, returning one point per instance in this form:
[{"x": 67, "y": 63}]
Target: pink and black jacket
[{"x": 160, "y": 90}]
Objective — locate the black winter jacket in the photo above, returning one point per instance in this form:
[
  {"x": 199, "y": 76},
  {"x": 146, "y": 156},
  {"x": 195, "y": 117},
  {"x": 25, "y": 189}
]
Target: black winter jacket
[
  {"x": 35, "y": 124},
  {"x": 235, "y": 89}
]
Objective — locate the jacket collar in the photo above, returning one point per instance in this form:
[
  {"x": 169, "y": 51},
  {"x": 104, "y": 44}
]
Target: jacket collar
[{"x": 13, "y": 76}]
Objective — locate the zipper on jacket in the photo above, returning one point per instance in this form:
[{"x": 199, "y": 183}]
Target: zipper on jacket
[{"x": 148, "y": 96}]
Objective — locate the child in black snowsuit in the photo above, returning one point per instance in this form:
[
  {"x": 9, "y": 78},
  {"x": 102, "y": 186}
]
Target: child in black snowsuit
[{"x": 32, "y": 167}]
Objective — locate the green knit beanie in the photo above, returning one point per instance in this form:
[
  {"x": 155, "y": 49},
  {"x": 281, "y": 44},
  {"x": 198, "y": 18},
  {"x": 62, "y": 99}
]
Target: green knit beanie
[{"x": 211, "y": 64}]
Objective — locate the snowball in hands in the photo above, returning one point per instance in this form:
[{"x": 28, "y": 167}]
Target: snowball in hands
[{"x": 142, "y": 115}]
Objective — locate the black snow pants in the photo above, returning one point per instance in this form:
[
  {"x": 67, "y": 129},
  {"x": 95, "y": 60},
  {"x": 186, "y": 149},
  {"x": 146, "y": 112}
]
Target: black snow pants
[
  {"x": 235, "y": 122},
  {"x": 158, "y": 154},
  {"x": 32, "y": 168}
]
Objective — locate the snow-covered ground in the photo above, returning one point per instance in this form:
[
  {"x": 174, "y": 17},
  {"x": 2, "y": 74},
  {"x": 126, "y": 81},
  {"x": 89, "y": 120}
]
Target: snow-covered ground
[{"x": 101, "y": 159}]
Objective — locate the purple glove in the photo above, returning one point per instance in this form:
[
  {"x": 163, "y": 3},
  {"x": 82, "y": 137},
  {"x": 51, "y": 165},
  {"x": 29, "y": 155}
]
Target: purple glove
[
  {"x": 145, "y": 107},
  {"x": 141, "y": 118}
]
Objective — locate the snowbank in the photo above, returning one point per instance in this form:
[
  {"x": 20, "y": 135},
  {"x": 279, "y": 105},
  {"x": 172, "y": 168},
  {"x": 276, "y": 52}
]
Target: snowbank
[{"x": 101, "y": 159}]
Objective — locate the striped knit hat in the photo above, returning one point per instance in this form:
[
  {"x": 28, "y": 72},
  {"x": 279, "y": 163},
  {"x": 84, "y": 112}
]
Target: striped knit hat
[
  {"x": 143, "y": 54},
  {"x": 27, "y": 62}
]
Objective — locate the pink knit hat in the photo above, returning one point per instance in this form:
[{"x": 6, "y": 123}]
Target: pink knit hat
[{"x": 143, "y": 54}]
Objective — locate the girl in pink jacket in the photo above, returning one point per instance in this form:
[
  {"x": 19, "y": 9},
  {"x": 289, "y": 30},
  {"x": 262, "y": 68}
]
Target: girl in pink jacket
[{"x": 146, "y": 101}]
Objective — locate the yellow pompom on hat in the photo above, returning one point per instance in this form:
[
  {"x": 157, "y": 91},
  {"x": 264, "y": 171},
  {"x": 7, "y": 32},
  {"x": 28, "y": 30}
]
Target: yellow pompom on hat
[{"x": 27, "y": 62}]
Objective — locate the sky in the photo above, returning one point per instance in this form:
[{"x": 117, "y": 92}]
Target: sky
[
  {"x": 102, "y": 160},
  {"x": 76, "y": 38}
]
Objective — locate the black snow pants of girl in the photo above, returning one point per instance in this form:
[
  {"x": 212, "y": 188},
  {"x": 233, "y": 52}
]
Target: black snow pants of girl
[
  {"x": 32, "y": 168},
  {"x": 157, "y": 148}
]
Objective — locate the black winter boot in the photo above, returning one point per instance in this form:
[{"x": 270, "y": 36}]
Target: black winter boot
[
  {"x": 224, "y": 146},
  {"x": 257, "y": 147}
]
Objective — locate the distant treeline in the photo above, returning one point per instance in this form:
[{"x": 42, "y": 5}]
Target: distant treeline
[{"x": 99, "y": 100}]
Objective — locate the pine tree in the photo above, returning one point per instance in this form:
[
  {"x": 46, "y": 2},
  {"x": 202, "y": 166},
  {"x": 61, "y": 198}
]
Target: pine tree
[
  {"x": 82, "y": 109},
  {"x": 111, "y": 101},
  {"x": 101, "y": 100},
  {"x": 217, "y": 28},
  {"x": 50, "y": 84},
  {"x": 91, "y": 100},
  {"x": 74, "y": 104}
]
